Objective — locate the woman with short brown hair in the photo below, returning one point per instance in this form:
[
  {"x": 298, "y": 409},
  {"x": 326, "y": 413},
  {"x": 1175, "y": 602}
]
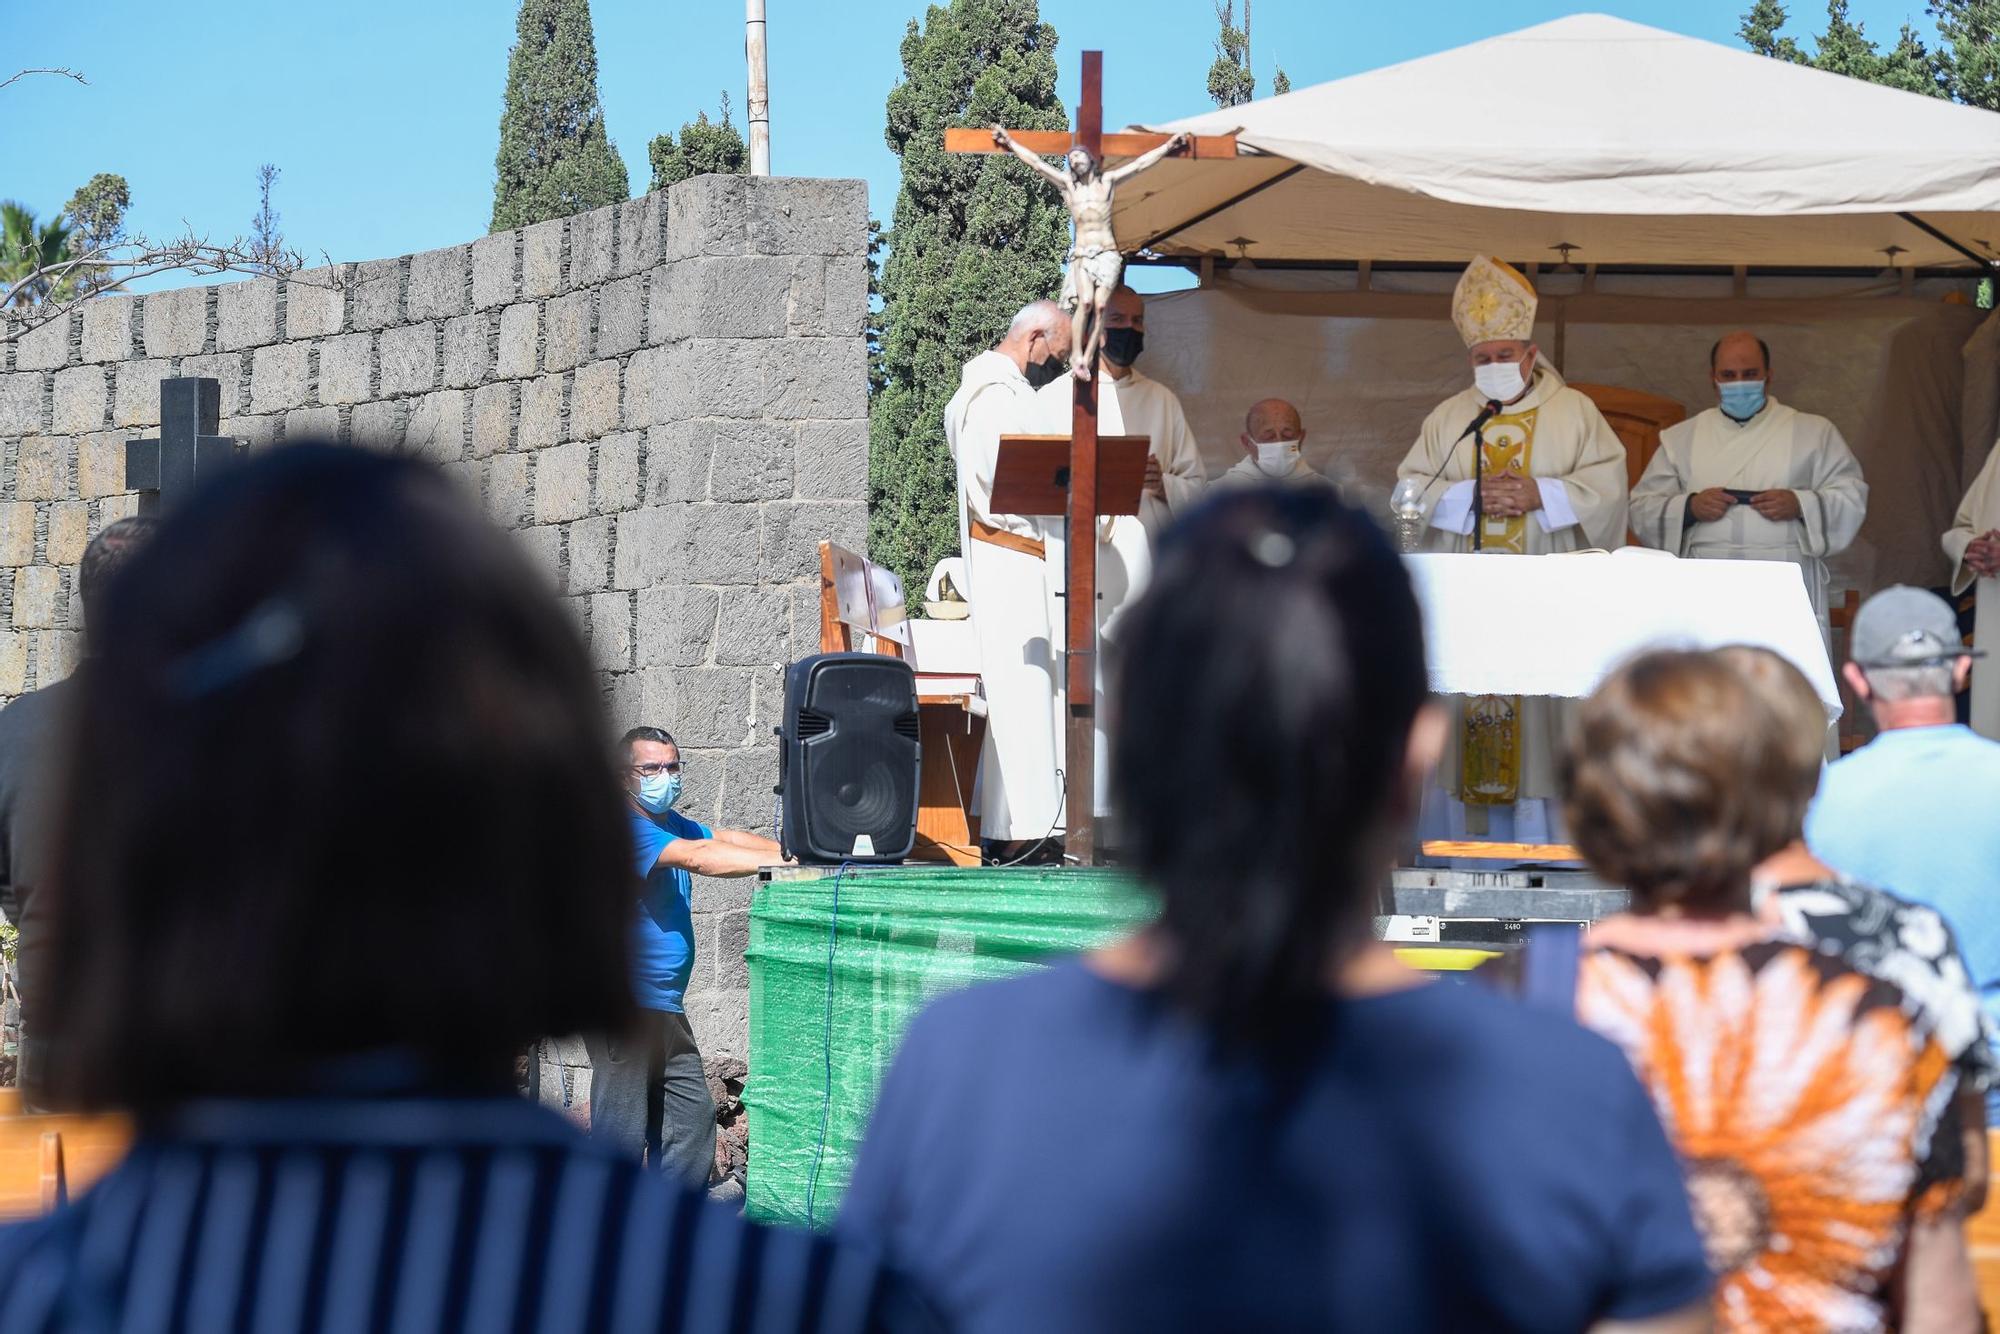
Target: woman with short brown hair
[{"x": 1812, "y": 1111}]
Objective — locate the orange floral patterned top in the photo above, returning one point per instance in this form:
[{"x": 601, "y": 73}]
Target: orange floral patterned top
[{"x": 1813, "y": 1117}]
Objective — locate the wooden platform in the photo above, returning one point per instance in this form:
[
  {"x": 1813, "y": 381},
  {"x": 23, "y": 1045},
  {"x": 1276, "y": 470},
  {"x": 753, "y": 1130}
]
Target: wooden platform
[
  {"x": 44, "y": 1160},
  {"x": 1501, "y": 852}
]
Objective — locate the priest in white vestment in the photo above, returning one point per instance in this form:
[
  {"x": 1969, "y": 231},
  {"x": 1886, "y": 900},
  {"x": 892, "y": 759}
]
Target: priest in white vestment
[
  {"x": 1554, "y": 480},
  {"x": 1128, "y": 403},
  {"x": 1007, "y": 587},
  {"x": 1273, "y": 440},
  {"x": 1752, "y": 479},
  {"x": 1973, "y": 544}
]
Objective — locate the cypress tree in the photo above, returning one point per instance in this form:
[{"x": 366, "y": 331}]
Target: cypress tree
[
  {"x": 1230, "y": 82},
  {"x": 972, "y": 240},
  {"x": 1845, "y": 48},
  {"x": 555, "y": 157},
  {"x": 1970, "y": 33},
  {"x": 1964, "y": 67},
  {"x": 704, "y": 148}
]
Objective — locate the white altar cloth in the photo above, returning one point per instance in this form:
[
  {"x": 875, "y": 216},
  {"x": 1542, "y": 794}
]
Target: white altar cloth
[{"x": 1559, "y": 624}]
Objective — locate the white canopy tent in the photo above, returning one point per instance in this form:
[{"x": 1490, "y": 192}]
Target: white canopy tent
[
  {"x": 1659, "y": 189},
  {"x": 1631, "y": 145}
]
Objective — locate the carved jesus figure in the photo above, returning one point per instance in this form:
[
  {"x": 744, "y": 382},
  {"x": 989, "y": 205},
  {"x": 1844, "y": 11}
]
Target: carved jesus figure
[{"x": 1095, "y": 266}]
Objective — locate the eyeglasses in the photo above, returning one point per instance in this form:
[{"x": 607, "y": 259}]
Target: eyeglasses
[{"x": 655, "y": 770}]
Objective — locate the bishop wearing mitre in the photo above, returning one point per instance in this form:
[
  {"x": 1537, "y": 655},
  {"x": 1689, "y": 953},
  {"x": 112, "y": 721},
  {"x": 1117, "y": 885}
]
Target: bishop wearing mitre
[
  {"x": 1973, "y": 544},
  {"x": 1551, "y": 478}
]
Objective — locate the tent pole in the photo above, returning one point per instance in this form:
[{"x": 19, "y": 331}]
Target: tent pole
[
  {"x": 1226, "y": 204},
  {"x": 1981, "y": 260}
]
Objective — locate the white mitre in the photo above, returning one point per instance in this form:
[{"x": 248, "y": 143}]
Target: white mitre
[{"x": 1493, "y": 304}]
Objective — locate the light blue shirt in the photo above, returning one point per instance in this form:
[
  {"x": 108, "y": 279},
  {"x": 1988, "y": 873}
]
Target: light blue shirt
[{"x": 1916, "y": 811}]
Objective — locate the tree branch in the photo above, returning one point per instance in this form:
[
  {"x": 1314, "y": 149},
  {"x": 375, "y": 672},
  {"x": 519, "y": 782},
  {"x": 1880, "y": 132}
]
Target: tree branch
[
  {"x": 58, "y": 70},
  {"x": 29, "y": 305}
]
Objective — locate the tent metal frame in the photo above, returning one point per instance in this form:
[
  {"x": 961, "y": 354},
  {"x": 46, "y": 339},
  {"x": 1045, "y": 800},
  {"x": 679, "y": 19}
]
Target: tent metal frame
[{"x": 1194, "y": 263}]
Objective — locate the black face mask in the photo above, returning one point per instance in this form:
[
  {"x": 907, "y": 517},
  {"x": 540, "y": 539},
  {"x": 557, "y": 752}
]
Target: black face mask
[
  {"x": 1040, "y": 373},
  {"x": 1123, "y": 346}
]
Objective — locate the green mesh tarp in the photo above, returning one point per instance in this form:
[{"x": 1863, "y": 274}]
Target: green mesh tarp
[{"x": 831, "y": 991}]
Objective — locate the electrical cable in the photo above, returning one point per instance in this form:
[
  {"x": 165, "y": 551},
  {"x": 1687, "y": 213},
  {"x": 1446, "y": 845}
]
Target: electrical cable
[
  {"x": 826, "y": 1097},
  {"x": 1062, "y": 796}
]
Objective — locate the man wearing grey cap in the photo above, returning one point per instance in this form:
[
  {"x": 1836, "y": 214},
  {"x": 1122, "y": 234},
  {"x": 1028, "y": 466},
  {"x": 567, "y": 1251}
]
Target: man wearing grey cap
[{"x": 1917, "y": 810}]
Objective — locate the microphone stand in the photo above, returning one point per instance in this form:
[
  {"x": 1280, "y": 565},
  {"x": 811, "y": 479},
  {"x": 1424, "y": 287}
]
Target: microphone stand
[
  {"x": 1478, "y": 432},
  {"x": 1478, "y": 485},
  {"x": 1476, "y": 429}
]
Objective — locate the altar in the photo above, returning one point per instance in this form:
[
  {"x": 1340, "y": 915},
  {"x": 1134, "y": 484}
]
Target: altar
[{"x": 1558, "y": 625}]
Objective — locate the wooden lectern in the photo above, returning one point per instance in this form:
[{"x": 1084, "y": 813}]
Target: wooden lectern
[{"x": 1033, "y": 477}]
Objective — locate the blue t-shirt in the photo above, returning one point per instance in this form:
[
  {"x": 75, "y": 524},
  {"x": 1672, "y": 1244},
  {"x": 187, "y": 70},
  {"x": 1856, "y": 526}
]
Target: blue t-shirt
[
  {"x": 663, "y": 945},
  {"x": 1059, "y": 1152},
  {"x": 1916, "y": 811}
]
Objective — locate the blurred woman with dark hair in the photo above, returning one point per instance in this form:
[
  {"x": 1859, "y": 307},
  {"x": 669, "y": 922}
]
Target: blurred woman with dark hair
[
  {"x": 1280, "y": 1126},
  {"x": 1813, "y": 1105},
  {"x": 340, "y": 836}
]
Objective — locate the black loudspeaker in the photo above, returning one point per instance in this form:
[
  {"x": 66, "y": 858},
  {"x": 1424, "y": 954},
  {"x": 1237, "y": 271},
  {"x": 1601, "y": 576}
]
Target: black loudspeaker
[{"x": 848, "y": 757}]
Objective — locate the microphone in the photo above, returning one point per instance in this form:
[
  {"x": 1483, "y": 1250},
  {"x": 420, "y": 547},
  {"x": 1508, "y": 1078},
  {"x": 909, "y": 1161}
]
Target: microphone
[{"x": 1486, "y": 414}]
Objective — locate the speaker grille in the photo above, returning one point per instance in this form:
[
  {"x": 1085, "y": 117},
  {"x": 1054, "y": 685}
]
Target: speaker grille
[{"x": 851, "y": 755}]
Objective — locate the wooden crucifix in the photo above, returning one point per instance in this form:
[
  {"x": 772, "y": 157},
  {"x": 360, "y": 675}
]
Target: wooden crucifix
[
  {"x": 189, "y": 449},
  {"x": 1091, "y": 217}
]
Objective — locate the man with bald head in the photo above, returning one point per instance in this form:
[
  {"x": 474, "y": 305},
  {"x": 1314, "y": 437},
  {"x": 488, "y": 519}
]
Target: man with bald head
[
  {"x": 1007, "y": 587},
  {"x": 1751, "y": 478},
  {"x": 1273, "y": 440},
  {"x": 1128, "y": 403}
]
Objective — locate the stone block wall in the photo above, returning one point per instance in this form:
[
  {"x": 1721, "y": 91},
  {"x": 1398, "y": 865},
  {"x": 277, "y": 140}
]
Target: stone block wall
[{"x": 665, "y": 398}]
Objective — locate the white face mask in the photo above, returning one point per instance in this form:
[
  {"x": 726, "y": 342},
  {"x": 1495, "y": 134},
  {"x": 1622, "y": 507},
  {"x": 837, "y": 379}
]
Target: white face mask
[
  {"x": 1500, "y": 381},
  {"x": 1276, "y": 458}
]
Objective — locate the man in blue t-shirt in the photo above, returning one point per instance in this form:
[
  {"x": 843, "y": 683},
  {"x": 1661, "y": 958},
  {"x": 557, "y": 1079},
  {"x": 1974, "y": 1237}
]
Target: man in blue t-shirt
[
  {"x": 648, "y": 1093},
  {"x": 1916, "y": 811}
]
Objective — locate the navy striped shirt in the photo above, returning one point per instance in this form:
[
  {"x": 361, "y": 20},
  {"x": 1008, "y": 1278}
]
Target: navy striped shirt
[{"x": 409, "y": 1216}]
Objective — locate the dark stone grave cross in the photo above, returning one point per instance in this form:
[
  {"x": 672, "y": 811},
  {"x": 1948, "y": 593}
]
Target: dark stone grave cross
[{"x": 188, "y": 451}]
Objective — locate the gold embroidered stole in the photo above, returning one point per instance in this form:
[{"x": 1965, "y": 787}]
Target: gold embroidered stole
[{"x": 1489, "y": 740}]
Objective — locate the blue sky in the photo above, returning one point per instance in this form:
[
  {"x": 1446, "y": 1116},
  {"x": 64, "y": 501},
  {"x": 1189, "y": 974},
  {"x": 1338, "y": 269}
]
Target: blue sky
[{"x": 384, "y": 116}]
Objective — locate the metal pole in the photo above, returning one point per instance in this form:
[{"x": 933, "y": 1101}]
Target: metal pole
[{"x": 760, "y": 88}]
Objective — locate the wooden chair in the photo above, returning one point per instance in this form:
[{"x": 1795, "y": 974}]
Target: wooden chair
[
  {"x": 44, "y": 1159},
  {"x": 862, "y": 609},
  {"x": 1637, "y": 419}
]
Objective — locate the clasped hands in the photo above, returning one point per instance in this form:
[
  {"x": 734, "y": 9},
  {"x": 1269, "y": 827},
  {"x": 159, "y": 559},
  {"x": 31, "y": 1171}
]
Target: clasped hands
[
  {"x": 1509, "y": 495},
  {"x": 1776, "y": 505},
  {"x": 1982, "y": 554}
]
